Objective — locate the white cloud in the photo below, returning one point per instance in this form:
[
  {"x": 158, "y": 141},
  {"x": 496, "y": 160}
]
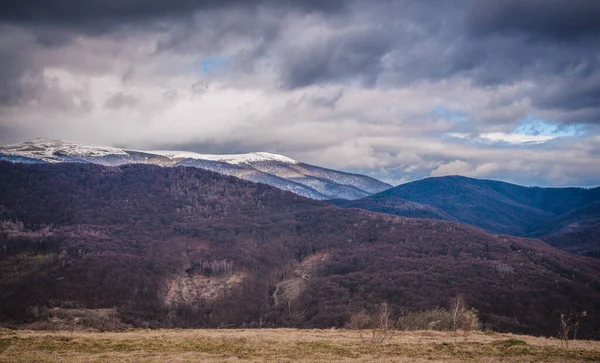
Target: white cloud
[
  {"x": 456, "y": 167},
  {"x": 515, "y": 138}
]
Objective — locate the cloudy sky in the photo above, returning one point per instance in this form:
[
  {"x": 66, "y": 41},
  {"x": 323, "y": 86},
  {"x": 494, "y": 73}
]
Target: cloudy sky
[{"x": 400, "y": 90}]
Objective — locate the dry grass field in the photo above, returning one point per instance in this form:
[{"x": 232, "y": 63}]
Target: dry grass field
[{"x": 284, "y": 345}]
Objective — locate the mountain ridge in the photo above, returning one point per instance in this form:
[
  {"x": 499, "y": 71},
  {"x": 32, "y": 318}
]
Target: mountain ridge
[
  {"x": 490, "y": 204},
  {"x": 272, "y": 169},
  {"x": 498, "y": 207}
]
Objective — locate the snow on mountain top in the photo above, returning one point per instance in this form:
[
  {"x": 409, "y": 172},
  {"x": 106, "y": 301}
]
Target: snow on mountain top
[
  {"x": 230, "y": 159},
  {"x": 273, "y": 169},
  {"x": 45, "y": 149}
]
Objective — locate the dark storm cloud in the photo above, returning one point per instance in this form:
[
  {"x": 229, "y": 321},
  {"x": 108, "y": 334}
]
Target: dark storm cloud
[
  {"x": 13, "y": 88},
  {"x": 56, "y": 23},
  {"x": 573, "y": 94},
  {"x": 578, "y": 99},
  {"x": 353, "y": 55},
  {"x": 381, "y": 43},
  {"x": 19, "y": 75},
  {"x": 93, "y": 13},
  {"x": 559, "y": 19},
  {"x": 553, "y": 43}
]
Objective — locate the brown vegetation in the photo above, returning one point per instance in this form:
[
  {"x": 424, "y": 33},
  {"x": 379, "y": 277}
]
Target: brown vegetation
[
  {"x": 92, "y": 237},
  {"x": 283, "y": 345}
]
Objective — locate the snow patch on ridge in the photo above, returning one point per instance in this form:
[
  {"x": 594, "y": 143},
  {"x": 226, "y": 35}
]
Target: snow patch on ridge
[
  {"x": 230, "y": 159},
  {"x": 259, "y": 167},
  {"x": 48, "y": 149}
]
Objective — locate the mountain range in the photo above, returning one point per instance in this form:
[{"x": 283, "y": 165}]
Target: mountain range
[
  {"x": 568, "y": 218},
  {"x": 277, "y": 170},
  {"x": 187, "y": 247}
]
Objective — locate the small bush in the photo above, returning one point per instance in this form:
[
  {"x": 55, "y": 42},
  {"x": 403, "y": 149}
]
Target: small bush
[
  {"x": 440, "y": 319},
  {"x": 381, "y": 325},
  {"x": 359, "y": 321}
]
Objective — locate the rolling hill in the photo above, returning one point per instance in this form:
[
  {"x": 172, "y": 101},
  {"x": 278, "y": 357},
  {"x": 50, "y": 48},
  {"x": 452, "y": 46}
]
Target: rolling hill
[
  {"x": 186, "y": 247},
  {"x": 577, "y": 231},
  {"x": 493, "y": 205},
  {"x": 395, "y": 206}
]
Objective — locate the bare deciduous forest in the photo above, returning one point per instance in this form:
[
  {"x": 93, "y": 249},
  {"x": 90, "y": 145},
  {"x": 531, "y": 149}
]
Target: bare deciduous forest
[{"x": 182, "y": 247}]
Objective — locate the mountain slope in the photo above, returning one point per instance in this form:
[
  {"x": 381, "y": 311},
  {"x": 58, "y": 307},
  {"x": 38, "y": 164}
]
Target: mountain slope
[
  {"x": 188, "y": 247},
  {"x": 276, "y": 170},
  {"x": 395, "y": 206},
  {"x": 322, "y": 179},
  {"x": 254, "y": 175},
  {"x": 495, "y": 206},
  {"x": 577, "y": 231}
]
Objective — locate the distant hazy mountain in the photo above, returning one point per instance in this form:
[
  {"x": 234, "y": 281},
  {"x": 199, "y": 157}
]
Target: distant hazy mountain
[
  {"x": 272, "y": 169},
  {"x": 568, "y": 218}
]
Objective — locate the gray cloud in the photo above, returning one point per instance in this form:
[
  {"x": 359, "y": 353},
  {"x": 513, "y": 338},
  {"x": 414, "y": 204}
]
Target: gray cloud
[
  {"x": 553, "y": 43},
  {"x": 101, "y": 14},
  {"x": 377, "y": 87},
  {"x": 19, "y": 78},
  {"x": 559, "y": 19},
  {"x": 121, "y": 100},
  {"x": 354, "y": 54}
]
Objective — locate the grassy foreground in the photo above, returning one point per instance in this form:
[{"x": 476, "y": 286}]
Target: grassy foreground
[{"x": 283, "y": 345}]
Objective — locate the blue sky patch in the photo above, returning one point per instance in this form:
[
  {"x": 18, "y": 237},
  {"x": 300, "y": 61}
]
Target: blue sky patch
[
  {"x": 213, "y": 64},
  {"x": 453, "y": 116},
  {"x": 534, "y": 126}
]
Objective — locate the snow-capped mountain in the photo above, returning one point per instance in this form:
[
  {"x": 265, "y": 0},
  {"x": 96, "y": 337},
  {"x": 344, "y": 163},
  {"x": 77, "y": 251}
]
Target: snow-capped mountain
[
  {"x": 230, "y": 159},
  {"x": 276, "y": 170},
  {"x": 57, "y": 151}
]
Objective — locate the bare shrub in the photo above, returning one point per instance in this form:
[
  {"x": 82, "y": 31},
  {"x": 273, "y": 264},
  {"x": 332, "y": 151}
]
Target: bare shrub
[
  {"x": 360, "y": 321},
  {"x": 434, "y": 319},
  {"x": 569, "y": 325},
  {"x": 463, "y": 318},
  {"x": 295, "y": 314},
  {"x": 381, "y": 326},
  {"x": 80, "y": 319},
  {"x": 459, "y": 318}
]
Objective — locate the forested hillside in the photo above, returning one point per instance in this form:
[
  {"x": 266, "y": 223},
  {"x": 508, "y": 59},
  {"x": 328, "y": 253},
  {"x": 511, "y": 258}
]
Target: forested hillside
[
  {"x": 192, "y": 248},
  {"x": 564, "y": 217}
]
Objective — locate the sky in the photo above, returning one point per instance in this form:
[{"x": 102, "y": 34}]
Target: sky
[{"x": 399, "y": 90}]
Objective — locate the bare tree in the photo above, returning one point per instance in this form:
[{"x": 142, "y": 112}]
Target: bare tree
[
  {"x": 569, "y": 325},
  {"x": 463, "y": 318},
  {"x": 383, "y": 328},
  {"x": 295, "y": 314}
]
